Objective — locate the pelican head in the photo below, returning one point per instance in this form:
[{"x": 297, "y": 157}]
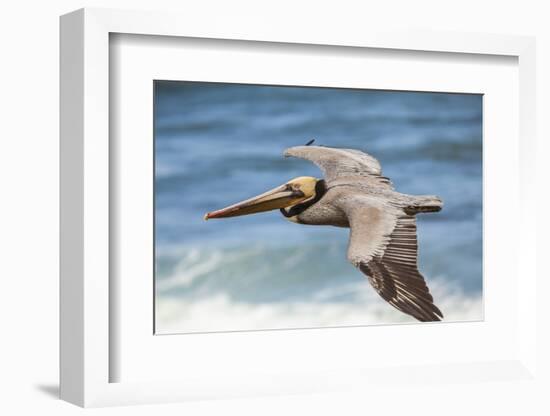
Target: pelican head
[{"x": 294, "y": 192}]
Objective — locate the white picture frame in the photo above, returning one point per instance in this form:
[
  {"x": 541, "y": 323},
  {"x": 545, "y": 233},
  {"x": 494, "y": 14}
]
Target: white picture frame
[{"x": 87, "y": 356}]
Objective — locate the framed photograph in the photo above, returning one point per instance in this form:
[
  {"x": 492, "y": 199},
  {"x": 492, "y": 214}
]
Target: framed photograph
[
  {"x": 273, "y": 212},
  {"x": 299, "y": 276}
]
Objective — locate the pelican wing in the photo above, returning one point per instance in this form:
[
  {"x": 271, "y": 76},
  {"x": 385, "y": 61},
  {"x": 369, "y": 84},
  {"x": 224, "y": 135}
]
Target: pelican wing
[
  {"x": 383, "y": 245},
  {"x": 337, "y": 163}
]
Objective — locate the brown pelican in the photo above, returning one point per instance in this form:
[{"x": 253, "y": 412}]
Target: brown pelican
[{"x": 354, "y": 194}]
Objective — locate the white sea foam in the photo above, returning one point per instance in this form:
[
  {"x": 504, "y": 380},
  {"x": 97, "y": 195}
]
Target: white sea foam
[
  {"x": 220, "y": 313},
  {"x": 192, "y": 265},
  {"x": 205, "y": 291}
]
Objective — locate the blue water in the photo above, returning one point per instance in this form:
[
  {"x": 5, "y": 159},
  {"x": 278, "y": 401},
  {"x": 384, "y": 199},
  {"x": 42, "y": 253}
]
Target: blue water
[{"x": 216, "y": 144}]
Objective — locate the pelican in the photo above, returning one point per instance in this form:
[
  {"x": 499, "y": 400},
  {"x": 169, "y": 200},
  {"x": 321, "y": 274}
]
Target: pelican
[{"x": 354, "y": 194}]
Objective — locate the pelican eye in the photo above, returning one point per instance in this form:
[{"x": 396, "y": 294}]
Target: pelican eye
[{"x": 294, "y": 188}]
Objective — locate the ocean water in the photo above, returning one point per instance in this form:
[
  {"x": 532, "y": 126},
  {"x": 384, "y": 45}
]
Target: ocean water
[{"x": 217, "y": 144}]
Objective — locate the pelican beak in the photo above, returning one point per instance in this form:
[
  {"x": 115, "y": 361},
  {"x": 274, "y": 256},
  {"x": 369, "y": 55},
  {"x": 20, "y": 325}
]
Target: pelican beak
[{"x": 280, "y": 197}]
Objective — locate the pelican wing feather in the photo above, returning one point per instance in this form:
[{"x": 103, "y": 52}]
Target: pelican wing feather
[
  {"x": 383, "y": 245},
  {"x": 336, "y": 163}
]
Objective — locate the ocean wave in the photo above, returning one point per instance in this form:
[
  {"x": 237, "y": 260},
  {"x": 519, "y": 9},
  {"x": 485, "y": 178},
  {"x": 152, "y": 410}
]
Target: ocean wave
[
  {"x": 261, "y": 272},
  {"x": 274, "y": 261},
  {"x": 235, "y": 288},
  {"x": 191, "y": 266},
  {"x": 220, "y": 313}
]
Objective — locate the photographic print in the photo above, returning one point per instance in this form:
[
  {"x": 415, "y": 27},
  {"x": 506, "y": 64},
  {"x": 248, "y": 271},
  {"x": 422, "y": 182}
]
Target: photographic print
[{"x": 281, "y": 207}]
